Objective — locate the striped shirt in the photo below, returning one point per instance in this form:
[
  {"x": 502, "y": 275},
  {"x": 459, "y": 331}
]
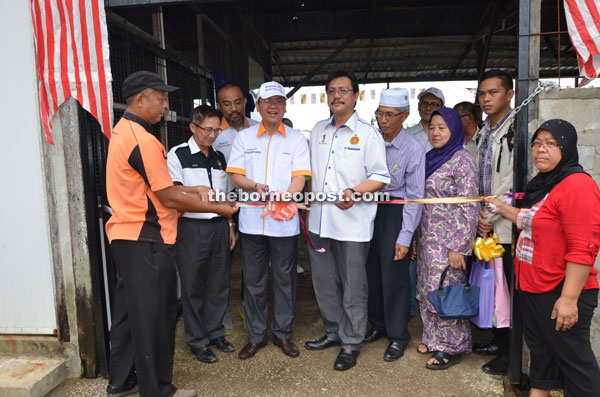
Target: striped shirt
[
  {"x": 486, "y": 153},
  {"x": 405, "y": 158}
]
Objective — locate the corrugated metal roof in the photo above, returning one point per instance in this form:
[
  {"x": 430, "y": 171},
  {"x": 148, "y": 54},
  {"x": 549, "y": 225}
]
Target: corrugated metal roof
[{"x": 401, "y": 41}]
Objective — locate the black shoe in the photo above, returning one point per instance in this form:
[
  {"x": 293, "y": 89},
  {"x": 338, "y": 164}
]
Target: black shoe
[
  {"x": 373, "y": 336},
  {"x": 486, "y": 349},
  {"x": 394, "y": 351},
  {"x": 223, "y": 345},
  {"x": 205, "y": 354},
  {"x": 345, "y": 360},
  {"x": 321, "y": 343},
  {"x": 497, "y": 366}
]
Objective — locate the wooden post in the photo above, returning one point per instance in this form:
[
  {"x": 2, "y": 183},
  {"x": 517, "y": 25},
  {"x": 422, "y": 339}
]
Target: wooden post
[
  {"x": 201, "y": 59},
  {"x": 161, "y": 64},
  {"x": 528, "y": 65}
]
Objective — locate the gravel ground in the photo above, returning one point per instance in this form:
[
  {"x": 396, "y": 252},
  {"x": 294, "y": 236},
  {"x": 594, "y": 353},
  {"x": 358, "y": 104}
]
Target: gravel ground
[{"x": 271, "y": 373}]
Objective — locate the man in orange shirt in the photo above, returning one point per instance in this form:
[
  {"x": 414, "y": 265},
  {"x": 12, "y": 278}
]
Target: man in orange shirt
[{"x": 142, "y": 231}]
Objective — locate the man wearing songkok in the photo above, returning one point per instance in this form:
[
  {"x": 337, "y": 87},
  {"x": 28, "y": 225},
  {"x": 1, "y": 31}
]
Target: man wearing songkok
[
  {"x": 429, "y": 100},
  {"x": 142, "y": 231},
  {"x": 388, "y": 261},
  {"x": 347, "y": 158},
  {"x": 270, "y": 159}
]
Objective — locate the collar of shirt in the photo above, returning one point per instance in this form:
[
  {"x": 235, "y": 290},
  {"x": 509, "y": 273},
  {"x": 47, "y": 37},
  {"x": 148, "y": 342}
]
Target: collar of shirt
[
  {"x": 350, "y": 123},
  {"x": 137, "y": 119},
  {"x": 397, "y": 141},
  {"x": 194, "y": 148},
  {"x": 488, "y": 121},
  {"x": 262, "y": 130},
  {"x": 225, "y": 124}
]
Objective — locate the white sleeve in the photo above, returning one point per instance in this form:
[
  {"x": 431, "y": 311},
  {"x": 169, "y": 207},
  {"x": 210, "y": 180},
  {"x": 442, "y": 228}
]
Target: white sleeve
[
  {"x": 236, "y": 163},
  {"x": 375, "y": 163},
  {"x": 301, "y": 160},
  {"x": 174, "y": 166}
]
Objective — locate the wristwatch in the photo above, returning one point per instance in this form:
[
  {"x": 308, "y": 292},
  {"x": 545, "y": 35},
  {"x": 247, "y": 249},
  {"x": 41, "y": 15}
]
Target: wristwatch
[{"x": 351, "y": 190}]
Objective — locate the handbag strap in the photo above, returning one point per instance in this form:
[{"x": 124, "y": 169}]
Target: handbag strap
[{"x": 443, "y": 277}]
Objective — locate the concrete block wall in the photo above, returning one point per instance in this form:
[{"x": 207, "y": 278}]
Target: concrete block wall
[{"x": 580, "y": 107}]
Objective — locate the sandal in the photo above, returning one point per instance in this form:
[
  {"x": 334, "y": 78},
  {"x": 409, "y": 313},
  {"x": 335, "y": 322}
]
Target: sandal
[
  {"x": 441, "y": 357},
  {"x": 421, "y": 351}
]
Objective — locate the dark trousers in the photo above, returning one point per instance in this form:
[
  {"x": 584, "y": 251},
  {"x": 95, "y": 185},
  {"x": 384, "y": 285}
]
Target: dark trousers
[
  {"x": 560, "y": 358},
  {"x": 203, "y": 261},
  {"x": 388, "y": 280},
  {"x": 142, "y": 334},
  {"x": 501, "y": 336},
  {"x": 257, "y": 252}
]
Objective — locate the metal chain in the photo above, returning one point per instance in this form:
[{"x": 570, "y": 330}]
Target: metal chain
[{"x": 542, "y": 86}]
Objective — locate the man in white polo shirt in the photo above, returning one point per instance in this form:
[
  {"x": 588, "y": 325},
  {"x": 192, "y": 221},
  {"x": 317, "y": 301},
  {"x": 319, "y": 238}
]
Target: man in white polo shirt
[
  {"x": 347, "y": 155},
  {"x": 204, "y": 240},
  {"x": 267, "y": 158}
]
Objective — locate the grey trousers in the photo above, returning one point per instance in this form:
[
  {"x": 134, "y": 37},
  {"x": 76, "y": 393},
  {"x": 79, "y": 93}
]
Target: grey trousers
[
  {"x": 257, "y": 252},
  {"x": 204, "y": 267},
  {"x": 340, "y": 281}
]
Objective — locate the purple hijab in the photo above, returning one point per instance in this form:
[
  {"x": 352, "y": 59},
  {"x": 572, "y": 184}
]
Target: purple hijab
[{"x": 436, "y": 157}]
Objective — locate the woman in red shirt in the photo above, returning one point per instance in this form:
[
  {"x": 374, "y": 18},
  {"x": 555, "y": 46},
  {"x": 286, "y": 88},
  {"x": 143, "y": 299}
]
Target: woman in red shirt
[{"x": 554, "y": 264}]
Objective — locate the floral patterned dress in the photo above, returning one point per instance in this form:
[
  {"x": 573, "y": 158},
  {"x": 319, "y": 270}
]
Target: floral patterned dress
[{"x": 446, "y": 227}]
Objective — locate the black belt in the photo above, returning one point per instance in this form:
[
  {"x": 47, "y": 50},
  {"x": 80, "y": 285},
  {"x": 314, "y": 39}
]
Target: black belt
[{"x": 211, "y": 220}]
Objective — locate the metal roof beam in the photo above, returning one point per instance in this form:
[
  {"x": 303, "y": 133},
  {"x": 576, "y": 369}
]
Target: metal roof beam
[
  {"x": 371, "y": 41},
  {"x": 320, "y": 66},
  {"x": 362, "y": 10}
]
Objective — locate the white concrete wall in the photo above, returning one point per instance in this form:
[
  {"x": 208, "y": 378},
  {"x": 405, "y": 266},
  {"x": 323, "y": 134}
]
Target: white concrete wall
[
  {"x": 579, "y": 106},
  {"x": 26, "y": 286}
]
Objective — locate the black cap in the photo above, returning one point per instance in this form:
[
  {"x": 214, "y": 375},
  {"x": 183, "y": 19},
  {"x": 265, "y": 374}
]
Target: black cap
[{"x": 138, "y": 81}]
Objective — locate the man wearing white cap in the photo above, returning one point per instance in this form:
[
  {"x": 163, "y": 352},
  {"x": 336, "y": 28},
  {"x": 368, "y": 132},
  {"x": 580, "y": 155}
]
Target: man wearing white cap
[
  {"x": 265, "y": 158},
  {"x": 389, "y": 259},
  {"x": 429, "y": 100}
]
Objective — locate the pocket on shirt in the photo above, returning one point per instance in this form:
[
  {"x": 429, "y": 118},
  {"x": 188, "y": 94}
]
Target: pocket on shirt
[{"x": 219, "y": 180}]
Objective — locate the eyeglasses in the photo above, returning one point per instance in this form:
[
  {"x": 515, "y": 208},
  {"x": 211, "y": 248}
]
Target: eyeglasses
[
  {"x": 547, "y": 145},
  {"x": 209, "y": 131},
  {"x": 273, "y": 101},
  {"x": 342, "y": 91},
  {"x": 227, "y": 104},
  {"x": 433, "y": 105},
  {"x": 387, "y": 115}
]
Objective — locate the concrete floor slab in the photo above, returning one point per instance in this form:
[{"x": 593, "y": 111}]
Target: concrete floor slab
[
  {"x": 30, "y": 376},
  {"x": 271, "y": 373}
]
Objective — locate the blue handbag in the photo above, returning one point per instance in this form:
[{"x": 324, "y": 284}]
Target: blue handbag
[{"x": 455, "y": 301}]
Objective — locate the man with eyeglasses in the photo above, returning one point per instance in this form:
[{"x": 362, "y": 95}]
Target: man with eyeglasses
[
  {"x": 429, "y": 100},
  {"x": 494, "y": 159},
  {"x": 388, "y": 262},
  {"x": 347, "y": 158},
  {"x": 269, "y": 158},
  {"x": 468, "y": 117},
  {"x": 204, "y": 240},
  {"x": 142, "y": 231}
]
